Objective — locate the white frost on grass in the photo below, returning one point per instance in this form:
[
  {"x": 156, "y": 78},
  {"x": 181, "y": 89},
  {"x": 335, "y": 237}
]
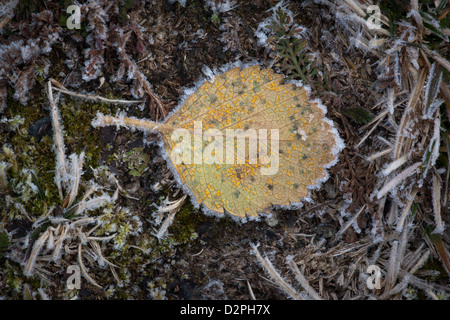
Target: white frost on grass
[
  {"x": 221, "y": 6},
  {"x": 392, "y": 184},
  {"x": 263, "y": 32}
]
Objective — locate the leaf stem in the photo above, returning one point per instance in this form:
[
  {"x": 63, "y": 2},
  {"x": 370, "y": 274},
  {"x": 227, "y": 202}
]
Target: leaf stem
[{"x": 145, "y": 125}]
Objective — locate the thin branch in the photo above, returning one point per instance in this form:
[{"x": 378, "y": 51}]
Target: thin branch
[{"x": 62, "y": 89}]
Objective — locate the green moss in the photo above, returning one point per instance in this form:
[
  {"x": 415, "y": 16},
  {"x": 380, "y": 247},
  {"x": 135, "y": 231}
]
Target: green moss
[
  {"x": 15, "y": 281},
  {"x": 79, "y": 134},
  {"x": 39, "y": 156},
  {"x": 4, "y": 243},
  {"x": 25, "y": 152},
  {"x": 138, "y": 161},
  {"x": 25, "y": 8},
  {"x": 126, "y": 6},
  {"x": 435, "y": 265},
  {"x": 186, "y": 221}
]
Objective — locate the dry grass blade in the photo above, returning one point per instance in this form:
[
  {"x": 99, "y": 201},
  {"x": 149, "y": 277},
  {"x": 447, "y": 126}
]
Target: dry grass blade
[
  {"x": 437, "y": 203},
  {"x": 433, "y": 86},
  {"x": 250, "y": 290},
  {"x": 349, "y": 223},
  {"x": 59, "y": 143},
  {"x": 301, "y": 279},
  {"x": 420, "y": 263},
  {"x": 43, "y": 295},
  {"x": 432, "y": 294},
  {"x": 356, "y": 7},
  {"x": 402, "y": 219},
  {"x": 379, "y": 154},
  {"x": 83, "y": 269},
  {"x": 77, "y": 170},
  {"x": 401, "y": 252},
  {"x": 59, "y": 243},
  {"x": 370, "y": 131},
  {"x": 390, "y": 281},
  {"x": 93, "y": 204},
  {"x": 30, "y": 264},
  {"x": 173, "y": 207},
  {"x": 395, "y": 165},
  {"x": 267, "y": 265},
  {"x": 401, "y": 146},
  {"x": 437, "y": 57},
  {"x": 442, "y": 252},
  {"x": 398, "y": 179},
  {"x": 398, "y": 288}
]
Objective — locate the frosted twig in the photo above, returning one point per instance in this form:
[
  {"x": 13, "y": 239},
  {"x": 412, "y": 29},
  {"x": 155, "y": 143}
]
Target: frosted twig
[
  {"x": 96, "y": 247},
  {"x": 62, "y": 89},
  {"x": 369, "y": 133},
  {"x": 51, "y": 239},
  {"x": 301, "y": 278},
  {"x": 83, "y": 221},
  {"x": 355, "y": 7},
  {"x": 7, "y": 12},
  {"x": 432, "y": 89},
  {"x": 102, "y": 238},
  {"x": 145, "y": 125},
  {"x": 89, "y": 192},
  {"x": 171, "y": 205},
  {"x": 432, "y": 152},
  {"x": 286, "y": 287},
  {"x": 22, "y": 210}
]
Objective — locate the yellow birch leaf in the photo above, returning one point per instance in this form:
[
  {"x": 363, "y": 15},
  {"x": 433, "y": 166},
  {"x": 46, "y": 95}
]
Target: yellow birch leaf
[{"x": 245, "y": 141}]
